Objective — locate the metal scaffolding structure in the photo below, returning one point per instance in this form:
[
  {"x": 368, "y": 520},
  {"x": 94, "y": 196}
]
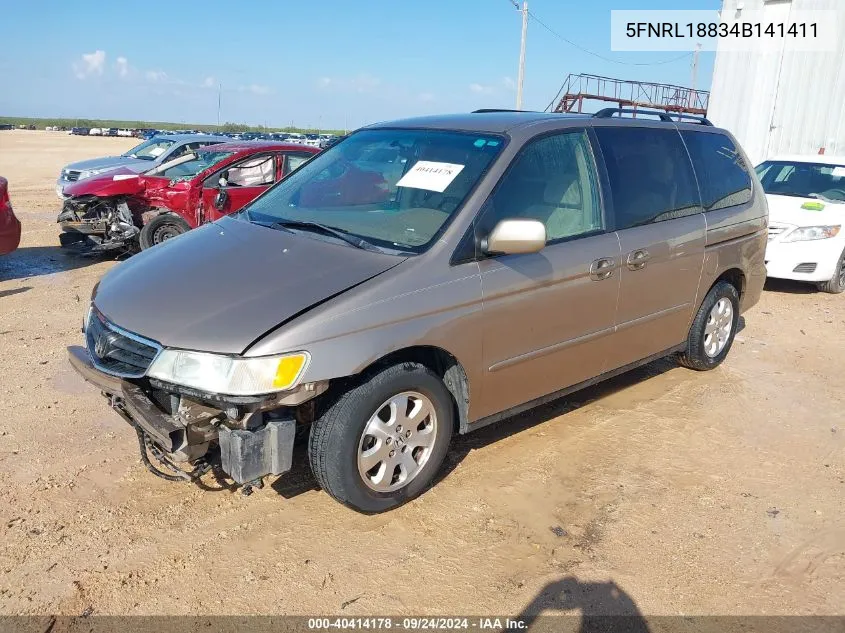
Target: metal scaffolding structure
[{"x": 630, "y": 94}]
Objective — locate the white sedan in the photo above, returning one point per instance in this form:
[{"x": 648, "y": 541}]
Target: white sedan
[{"x": 806, "y": 196}]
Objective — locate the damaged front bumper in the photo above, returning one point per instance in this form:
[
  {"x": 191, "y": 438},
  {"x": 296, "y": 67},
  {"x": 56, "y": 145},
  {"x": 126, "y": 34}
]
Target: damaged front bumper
[{"x": 255, "y": 435}]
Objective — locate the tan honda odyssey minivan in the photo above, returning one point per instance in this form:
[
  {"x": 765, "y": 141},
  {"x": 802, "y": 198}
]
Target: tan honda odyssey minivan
[{"x": 423, "y": 278}]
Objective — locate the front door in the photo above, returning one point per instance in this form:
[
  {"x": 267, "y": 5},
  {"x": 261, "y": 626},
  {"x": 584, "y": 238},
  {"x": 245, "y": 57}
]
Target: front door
[
  {"x": 548, "y": 316},
  {"x": 242, "y": 182},
  {"x": 661, "y": 227}
]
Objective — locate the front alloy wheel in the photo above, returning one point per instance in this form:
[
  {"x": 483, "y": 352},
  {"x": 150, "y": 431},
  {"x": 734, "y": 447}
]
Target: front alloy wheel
[
  {"x": 380, "y": 442},
  {"x": 397, "y": 441}
]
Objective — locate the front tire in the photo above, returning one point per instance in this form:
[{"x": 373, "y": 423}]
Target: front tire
[
  {"x": 836, "y": 284},
  {"x": 713, "y": 329},
  {"x": 162, "y": 228},
  {"x": 380, "y": 443}
]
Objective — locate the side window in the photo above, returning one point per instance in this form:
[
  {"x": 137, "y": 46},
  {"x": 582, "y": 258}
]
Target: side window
[
  {"x": 722, "y": 174},
  {"x": 255, "y": 171},
  {"x": 651, "y": 179},
  {"x": 553, "y": 180},
  {"x": 292, "y": 161}
]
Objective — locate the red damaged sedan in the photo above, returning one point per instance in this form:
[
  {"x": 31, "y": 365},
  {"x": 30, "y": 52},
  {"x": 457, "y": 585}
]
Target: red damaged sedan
[
  {"x": 10, "y": 226},
  {"x": 123, "y": 210}
]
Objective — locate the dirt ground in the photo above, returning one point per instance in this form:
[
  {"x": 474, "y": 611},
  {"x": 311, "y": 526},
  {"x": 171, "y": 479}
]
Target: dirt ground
[{"x": 664, "y": 490}]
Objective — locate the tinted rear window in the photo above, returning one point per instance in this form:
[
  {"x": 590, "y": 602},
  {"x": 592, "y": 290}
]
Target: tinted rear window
[
  {"x": 651, "y": 178},
  {"x": 722, "y": 174}
]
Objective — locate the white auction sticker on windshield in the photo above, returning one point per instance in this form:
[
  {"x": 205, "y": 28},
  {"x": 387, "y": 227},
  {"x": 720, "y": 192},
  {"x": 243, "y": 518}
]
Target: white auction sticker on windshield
[
  {"x": 838, "y": 172},
  {"x": 157, "y": 151},
  {"x": 430, "y": 175}
]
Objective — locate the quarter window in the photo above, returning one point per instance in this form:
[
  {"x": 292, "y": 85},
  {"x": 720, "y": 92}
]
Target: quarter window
[
  {"x": 722, "y": 174},
  {"x": 554, "y": 181},
  {"x": 651, "y": 178}
]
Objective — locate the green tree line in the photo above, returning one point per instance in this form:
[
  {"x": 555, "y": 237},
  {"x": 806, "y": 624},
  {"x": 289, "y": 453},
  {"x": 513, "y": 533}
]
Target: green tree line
[{"x": 41, "y": 123}]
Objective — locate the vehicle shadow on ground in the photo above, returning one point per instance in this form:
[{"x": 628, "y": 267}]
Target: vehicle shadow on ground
[
  {"x": 14, "y": 291},
  {"x": 463, "y": 444},
  {"x": 300, "y": 478},
  {"x": 788, "y": 286},
  {"x": 603, "y": 606},
  {"x": 36, "y": 261}
]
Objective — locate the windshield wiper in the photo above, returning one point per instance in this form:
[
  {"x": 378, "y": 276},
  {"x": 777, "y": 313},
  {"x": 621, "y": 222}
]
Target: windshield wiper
[
  {"x": 826, "y": 199},
  {"x": 316, "y": 227}
]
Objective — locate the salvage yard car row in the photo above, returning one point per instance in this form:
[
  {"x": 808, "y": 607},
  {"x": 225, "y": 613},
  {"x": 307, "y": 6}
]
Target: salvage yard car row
[
  {"x": 120, "y": 208},
  {"x": 423, "y": 278}
]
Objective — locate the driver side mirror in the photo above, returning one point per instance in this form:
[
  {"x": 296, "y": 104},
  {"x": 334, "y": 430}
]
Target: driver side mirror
[
  {"x": 514, "y": 237},
  {"x": 221, "y": 197}
]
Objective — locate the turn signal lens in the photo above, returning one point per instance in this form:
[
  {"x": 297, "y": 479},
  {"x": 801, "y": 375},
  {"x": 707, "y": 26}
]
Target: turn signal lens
[{"x": 289, "y": 370}]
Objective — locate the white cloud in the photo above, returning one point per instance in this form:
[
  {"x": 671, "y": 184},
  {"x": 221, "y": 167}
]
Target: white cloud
[
  {"x": 208, "y": 82},
  {"x": 480, "y": 89},
  {"x": 426, "y": 97},
  {"x": 365, "y": 83},
  {"x": 121, "y": 65},
  {"x": 256, "y": 89},
  {"x": 362, "y": 83},
  {"x": 508, "y": 83},
  {"x": 158, "y": 76},
  {"x": 90, "y": 64}
]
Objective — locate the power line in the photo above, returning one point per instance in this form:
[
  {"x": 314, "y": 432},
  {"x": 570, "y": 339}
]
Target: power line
[{"x": 602, "y": 57}]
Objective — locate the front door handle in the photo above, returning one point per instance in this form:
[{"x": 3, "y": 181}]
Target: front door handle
[
  {"x": 602, "y": 268},
  {"x": 637, "y": 259}
]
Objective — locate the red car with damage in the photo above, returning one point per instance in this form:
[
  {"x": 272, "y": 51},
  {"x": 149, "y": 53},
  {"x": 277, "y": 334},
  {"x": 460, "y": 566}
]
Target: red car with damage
[
  {"x": 10, "y": 226},
  {"x": 120, "y": 209}
]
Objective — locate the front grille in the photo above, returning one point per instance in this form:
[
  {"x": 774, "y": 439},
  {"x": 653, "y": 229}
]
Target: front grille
[
  {"x": 776, "y": 229},
  {"x": 805, "y": 268},
  {"x": 116, "y": 351},
  {"x": 72, "y": 176}
]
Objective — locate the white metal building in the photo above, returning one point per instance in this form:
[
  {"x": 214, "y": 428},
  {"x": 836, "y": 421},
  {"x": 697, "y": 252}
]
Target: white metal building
[{"x": 783, "y": 101}]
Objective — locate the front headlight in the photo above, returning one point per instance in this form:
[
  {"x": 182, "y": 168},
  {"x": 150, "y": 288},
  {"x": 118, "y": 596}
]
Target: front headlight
[
  {"x": 812, "y": 233},
  {"x": 229, "y": 375},
  {"x": 87, "y": 173}
]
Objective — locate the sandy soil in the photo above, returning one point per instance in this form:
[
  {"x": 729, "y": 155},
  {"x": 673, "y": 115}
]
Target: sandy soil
[{"x": 664, "y": 490}]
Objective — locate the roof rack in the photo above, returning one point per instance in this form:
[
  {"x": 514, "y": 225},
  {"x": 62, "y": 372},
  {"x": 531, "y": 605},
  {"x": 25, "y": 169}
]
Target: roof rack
[
  {"x": 487, "y": 110},
  {"x": 606, "y": 113}
]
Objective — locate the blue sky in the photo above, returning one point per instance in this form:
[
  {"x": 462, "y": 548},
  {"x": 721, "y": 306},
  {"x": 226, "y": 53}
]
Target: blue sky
[{"x": 328, "y": 63}]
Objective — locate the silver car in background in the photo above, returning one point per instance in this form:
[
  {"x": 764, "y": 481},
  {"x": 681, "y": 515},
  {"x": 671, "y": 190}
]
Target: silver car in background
[{"x": 151, "y": 153}]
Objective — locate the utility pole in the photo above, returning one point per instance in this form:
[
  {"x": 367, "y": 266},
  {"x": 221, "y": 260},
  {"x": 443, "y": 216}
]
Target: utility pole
[
  {"x": 695, "y": 69},
  {"x": 219, "y": 97},
  {"x": 521, "y": 77}
]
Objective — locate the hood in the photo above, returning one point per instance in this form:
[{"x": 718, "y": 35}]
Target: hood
[
  {"x": 222, "y": 286},
  {"x": 787, "y": 210},
  {"x": 136, "y": 165},
  {"x": 120, "y": 182},
  {"x": 115, "y": 182}
]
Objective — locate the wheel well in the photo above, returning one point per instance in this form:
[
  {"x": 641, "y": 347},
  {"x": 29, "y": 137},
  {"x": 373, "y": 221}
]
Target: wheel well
[
  {"x": 736, "y": 278},
  {"x": 441, "y": 363}
]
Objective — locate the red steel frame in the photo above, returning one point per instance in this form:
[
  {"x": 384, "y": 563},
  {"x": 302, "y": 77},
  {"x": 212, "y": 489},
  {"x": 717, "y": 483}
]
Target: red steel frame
[{"x": 632, "y": 94}]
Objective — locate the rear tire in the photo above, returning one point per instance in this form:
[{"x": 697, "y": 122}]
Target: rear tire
[
  {"x": 713, "y": 329},
  {"x": 836, "y": 284},
  {"x": 357, "y": 451},
  {"x": 162, "y": 228}
]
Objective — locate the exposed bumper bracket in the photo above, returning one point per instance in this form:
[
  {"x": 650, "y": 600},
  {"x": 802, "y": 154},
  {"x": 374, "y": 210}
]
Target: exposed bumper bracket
[{"x": 250, "y": 455}]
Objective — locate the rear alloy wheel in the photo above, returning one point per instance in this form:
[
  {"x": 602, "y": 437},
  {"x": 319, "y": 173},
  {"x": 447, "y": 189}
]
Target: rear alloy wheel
[
  {"x": 162, "y": 228},
  {"x": 836, "y": 284},
  {"x": 381, "y": 442},
  {"x": 713, "y": 329}
]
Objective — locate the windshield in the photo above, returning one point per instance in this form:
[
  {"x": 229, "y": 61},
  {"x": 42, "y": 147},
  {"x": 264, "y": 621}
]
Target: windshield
[
  {"x": 190, "y": 168},
  {"x": 150, "y": 150},
  {"x": 804, "y": 180},
  {"x": 393, "y": 188}
]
